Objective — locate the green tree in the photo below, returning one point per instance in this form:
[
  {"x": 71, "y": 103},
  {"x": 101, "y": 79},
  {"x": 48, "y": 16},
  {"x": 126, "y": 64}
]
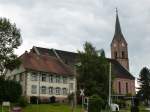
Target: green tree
[
  {"x": 93, "y": 72},
  {"x": 144, "y": 80},
  {"x": 10, "y": 39},
  {"x": 9, "y": 90}
]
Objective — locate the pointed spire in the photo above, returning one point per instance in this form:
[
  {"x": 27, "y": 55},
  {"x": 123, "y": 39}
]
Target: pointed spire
[{"x": 117, "y": 27}]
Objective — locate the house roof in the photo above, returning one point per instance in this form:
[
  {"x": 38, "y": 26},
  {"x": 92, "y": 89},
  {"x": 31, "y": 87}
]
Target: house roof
[
  {"x": 69, "y": 58},
  {"x": 44, "y": 63},
  {"x": 119, "y": 71}
]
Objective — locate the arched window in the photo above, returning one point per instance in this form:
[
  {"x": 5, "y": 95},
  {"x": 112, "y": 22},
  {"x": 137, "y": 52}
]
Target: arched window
[
  {"x": 119, "y": 87},
  {"x": 64, "y": 90},
  {"x": 126, "y": 88},
  {"x": 50, "y": 90},
  {"x": 123, "y": 54},
  {"x": 58, "y": 91},
  {"x": 115, "y": 54}
]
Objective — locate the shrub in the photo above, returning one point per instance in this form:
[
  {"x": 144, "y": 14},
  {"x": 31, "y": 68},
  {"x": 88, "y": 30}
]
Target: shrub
[
  {"x": 95, "y": 103},
  {"x": 9, "y": 90},
  {"x": 120, "y": 102},
  {"x": 22, "y": 102},
  {"x": 70, "y": 97}
]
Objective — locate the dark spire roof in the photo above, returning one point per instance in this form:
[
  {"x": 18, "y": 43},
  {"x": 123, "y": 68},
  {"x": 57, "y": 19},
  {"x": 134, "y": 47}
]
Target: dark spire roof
[
  {"x": 118, "y": 33},
  {"x": 117, "y": 26}
]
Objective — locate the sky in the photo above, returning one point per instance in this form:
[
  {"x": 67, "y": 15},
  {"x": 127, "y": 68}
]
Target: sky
[{"x": 67, "y": 24}]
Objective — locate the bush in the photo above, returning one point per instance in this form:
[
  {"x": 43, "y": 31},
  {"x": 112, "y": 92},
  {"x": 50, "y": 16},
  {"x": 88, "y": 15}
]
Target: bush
[
  {"x": 22, "y": 102},
  {"x": 70, "y": 97},
  {"x": 134, "y": 109},
  {"x": 120, "y": 102},
  {"x": 9, "y": 90},
  {"x": 95, "y": 103}
]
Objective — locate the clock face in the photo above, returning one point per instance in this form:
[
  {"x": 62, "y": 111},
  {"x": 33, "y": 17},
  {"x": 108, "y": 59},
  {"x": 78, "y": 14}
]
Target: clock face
[
  {"x": 115, "y": 45},
  {"x": 123, "y": 44}
]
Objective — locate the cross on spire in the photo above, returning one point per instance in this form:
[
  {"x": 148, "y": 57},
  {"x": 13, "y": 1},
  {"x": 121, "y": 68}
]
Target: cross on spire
[{"x": 116, "y": 11}]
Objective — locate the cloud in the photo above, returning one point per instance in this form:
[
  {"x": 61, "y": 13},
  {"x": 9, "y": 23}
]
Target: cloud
[{"x": 67, "y": 24}]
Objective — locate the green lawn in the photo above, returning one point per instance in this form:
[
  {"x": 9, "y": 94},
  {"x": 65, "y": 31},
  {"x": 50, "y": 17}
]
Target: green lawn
[
  {"x": 60, "y": 108},
  {"x": 50, "y": 108}
]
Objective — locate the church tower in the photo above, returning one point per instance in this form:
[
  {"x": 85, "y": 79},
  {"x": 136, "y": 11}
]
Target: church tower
[{"x": 119, "y": 46}]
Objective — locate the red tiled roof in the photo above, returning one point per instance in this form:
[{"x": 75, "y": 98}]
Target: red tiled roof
[{"x": 44, "y": 63}]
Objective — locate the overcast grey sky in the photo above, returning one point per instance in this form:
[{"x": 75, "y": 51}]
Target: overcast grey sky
[{"x": 67, "y": 24}]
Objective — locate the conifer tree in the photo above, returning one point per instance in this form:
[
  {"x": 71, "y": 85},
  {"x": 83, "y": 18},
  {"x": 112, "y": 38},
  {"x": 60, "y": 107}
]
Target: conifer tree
[{"x": 144, "y": 80}]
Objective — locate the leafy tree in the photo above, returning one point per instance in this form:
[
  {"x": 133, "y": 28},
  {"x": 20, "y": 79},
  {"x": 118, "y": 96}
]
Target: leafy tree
[
  {"x": 93, "y": 72},
  {"x": 9, "y": 90},
  {"x": 144, "y": 80},
  {"x": 10, "y": 39}
]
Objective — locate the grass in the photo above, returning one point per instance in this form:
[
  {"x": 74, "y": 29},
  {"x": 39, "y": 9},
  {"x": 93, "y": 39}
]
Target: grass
[
  {"x": 50, "y": 108},
  {"x": 141, "y": 109},
  {"x": 60, "y": 108}
]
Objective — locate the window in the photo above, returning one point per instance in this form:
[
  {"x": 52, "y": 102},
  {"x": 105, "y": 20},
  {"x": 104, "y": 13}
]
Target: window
[
  {"x": 54, "y": 78},
  {"x": 65, "y": 80},
  {"x": 33, "y": 77},
  {"x": 126, "y": 88},
  {"x": 44, "y": 77},
  {"x": 119, "y": 87},
  {"x": 64, "y": 90},
  {"x": 50, "y": 90},
  {"x": 51, "y": 78},
  {"x": 43, "y": 89},
  {"x": 58, "y": 91},
  {"x": 115, "y": 54},
  {"x": 71, "y": 86},
  {"x": 123, "y": 54},
  {"x": 33, "y": 89},
  {"x": 57, "y": 79}
]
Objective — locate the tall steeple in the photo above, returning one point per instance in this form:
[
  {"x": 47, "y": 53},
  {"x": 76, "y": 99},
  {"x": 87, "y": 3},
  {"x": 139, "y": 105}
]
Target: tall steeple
[
  {"x": 119, "y": 46},
  {"x": 117, "y": 26}
]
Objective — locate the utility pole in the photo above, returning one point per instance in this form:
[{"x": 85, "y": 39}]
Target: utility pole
[
  {"x": 38, "y": 98},
  {"x": 109, "y": 98},
  {"x": 74, "y": 95}
]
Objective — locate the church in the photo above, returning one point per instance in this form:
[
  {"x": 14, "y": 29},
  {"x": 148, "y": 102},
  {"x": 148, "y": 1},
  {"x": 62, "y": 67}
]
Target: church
[{"x": 49, "y": 72}]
